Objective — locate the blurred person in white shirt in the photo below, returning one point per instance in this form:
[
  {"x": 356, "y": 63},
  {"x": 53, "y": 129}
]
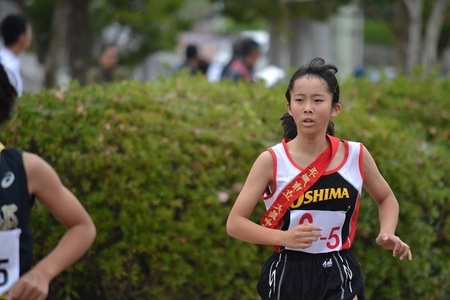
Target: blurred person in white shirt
[{"x": 17, "y": 34}]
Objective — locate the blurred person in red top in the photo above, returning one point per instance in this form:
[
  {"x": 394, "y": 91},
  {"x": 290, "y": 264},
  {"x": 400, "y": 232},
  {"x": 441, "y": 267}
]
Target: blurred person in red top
[{"x": 242, "y": 66}]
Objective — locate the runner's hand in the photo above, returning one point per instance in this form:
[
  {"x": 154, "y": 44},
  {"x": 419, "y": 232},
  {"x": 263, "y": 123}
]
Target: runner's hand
[
  {"x": 31, "y": 286},
  {"x": 393, "y": 242},
  {"x": 302, "y": 236}
]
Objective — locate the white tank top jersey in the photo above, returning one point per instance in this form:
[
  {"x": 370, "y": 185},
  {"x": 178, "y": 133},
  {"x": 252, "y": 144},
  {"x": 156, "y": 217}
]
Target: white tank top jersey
[{"x": 332, "y": 202}]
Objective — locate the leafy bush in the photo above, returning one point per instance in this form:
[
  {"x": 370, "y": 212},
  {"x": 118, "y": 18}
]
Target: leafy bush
[
  {"x": 405, "y": 123},
  {"x": 158, "y": 166}
]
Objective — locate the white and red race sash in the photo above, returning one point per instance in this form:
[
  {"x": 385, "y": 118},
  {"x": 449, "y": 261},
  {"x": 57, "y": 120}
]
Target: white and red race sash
[
  {"x": 301, "y": 183},
  {"x": 9, "y": 259}
]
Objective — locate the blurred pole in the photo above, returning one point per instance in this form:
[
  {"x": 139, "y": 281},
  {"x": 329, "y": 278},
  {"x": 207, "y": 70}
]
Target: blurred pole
[
  {"x": 55, "y": 54},
  {"x": 415, "y": 10},
  {"x": 300, "y": 41},
  {"x": 79, "y": 40},
  {"x": 278, "y": 54},
  {"x": 349, "y": 41}
]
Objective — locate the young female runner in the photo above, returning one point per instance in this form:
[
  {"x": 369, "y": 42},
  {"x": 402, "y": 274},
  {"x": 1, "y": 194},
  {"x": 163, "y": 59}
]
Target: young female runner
[{"x": 311, "y": 185}]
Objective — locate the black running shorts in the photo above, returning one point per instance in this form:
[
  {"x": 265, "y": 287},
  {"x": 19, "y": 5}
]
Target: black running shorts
[{"x": 303, "y": 276}]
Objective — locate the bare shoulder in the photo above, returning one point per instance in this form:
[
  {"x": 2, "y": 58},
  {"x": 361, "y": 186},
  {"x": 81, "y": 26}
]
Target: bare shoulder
[
  {"x": 373, "y": 179},
  {"x": 263, "y": 167},
  {"x": 35, "y": 164},
  {"x": 40, "y": 175},
  {"x": 368, "y": 161},
  {"x": 265, "y": 158},
  {"x": 31, "y": 158},
  {"x": 264, "y": 161}
]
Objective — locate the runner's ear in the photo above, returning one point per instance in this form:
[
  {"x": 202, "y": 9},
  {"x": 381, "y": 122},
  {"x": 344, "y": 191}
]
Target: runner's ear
[
  {"x": 288, "y": 107},
  {"x": 336, "y": 109}
]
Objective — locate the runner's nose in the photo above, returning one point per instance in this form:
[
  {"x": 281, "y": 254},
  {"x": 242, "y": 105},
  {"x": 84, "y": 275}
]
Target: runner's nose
[{"x": 307, "y": 109}]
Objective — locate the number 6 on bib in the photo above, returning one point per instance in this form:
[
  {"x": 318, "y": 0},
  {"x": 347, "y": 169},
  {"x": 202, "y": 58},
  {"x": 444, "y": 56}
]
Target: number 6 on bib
[{"x": 331, "y": 223}]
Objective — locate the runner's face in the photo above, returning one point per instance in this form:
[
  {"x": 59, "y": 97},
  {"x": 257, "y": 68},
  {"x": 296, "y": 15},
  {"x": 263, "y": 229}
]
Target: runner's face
[{"x": 311, "y": 104}]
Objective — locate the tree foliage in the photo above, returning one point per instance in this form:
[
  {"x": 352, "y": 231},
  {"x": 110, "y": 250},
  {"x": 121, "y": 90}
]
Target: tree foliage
[
  {"x": 278, "y": 11},
  {"x": 417, "y": 28},
  {"x": 153, "y": 25}
]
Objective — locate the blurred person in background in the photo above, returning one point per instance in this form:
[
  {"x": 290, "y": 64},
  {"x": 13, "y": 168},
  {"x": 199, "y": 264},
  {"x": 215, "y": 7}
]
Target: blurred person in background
[
  {"x": 193, "y": 62},
  {"x": 247, "y": 52},
  {"x": 107, "y": 69},
  {"x": 235, "y": 54},
  {"x": 17, "y": 34}
]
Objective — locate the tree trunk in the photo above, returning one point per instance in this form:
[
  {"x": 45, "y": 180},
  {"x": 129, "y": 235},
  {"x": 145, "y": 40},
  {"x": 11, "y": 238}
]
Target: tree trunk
[
  {"x": 299, "y": 41},
  {"x": 400, "y": 36},
  {"x": 431, "y": 39},
  {"x": 277, "y": 54},
  {"x": 21, "y": 6},
  {"x": 56, "y": 51},
  {"x": 414, "y": 9},
  {"x": 397, "y": 27},
  {"x": 80, "y": 42}
]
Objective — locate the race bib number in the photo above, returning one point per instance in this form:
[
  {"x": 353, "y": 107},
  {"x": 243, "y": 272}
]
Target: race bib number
[
  {"x": 9, "y": 259},
  {"x": 331, "y": 223}
]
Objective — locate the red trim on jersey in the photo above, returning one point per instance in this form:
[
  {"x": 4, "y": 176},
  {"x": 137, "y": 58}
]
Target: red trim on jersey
[
  {"x": 352, "y": 225},
  {"x": 274, "y": 175},
  {"x": 361, "y": 169},
  {"x": 284, "y": 142},
  {"x": 344, "y": 160}
]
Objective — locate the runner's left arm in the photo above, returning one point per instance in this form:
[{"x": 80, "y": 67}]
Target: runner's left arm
[
  {"x": 45, "y": 185},
  {"x": 388, "y": 208}
]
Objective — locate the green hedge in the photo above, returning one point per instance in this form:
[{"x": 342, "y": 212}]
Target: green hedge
[{"x": 155, "y": 162}]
